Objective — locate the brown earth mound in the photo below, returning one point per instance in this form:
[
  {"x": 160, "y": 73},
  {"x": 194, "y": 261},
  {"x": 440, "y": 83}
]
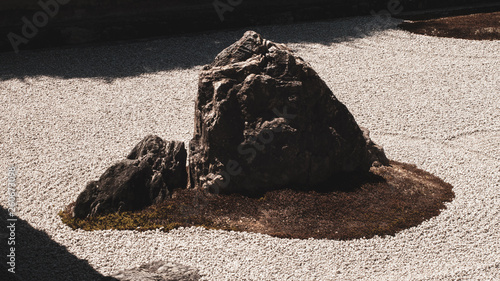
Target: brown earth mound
[
  {"x": 382, "y": 202},
  {"x": 485, "y": 26}
]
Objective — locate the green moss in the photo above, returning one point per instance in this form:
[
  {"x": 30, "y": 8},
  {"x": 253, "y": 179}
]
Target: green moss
[{"x": 163, "y": 216}]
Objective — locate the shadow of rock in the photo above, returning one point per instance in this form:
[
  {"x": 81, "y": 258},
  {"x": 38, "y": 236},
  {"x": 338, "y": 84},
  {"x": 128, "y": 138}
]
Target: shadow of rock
[
  {"x": 38, "y": 257},
  {"x": 348, "y": 182}
]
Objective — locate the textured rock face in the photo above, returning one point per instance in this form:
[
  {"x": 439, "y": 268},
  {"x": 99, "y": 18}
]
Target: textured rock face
[
  {"x": 148, "y": 175},
  {"x": 264, "y": 119},
  {"x": 157, "y": 271}
]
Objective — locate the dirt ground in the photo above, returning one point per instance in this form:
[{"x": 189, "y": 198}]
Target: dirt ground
[
  {"x": 382, "y": 202},
  {"x": 483, "y": 26}
]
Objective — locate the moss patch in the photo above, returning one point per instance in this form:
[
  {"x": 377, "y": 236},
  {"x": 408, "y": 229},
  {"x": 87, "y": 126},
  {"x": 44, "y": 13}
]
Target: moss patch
[{"x": 165, "y": 216}]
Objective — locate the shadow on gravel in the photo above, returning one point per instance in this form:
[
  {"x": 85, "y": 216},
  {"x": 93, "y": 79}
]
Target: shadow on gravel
[
  {"x": 132, "y": 58},
  {"x": 37, "y": 256}
]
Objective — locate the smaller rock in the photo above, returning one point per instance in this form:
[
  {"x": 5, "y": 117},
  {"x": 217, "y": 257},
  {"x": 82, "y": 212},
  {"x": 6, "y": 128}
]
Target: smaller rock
[
  {"x": 148, "y": 175},
  {"x": 156, "y": 271},
  {"x": 376, "y": 154}
]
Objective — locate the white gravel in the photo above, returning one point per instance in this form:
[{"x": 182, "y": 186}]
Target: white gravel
[{"x": 68, "y": 114}]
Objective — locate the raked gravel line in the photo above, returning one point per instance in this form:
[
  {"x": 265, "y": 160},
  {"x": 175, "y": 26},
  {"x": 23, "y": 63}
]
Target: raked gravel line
[{"x": 68, "y": 114}]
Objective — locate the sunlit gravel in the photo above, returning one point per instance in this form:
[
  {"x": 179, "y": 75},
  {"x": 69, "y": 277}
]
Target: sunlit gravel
[{"x": 68, "y": 114}]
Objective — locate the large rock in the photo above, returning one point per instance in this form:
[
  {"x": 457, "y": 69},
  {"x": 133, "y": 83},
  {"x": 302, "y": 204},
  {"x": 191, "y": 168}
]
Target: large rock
[
  {"x": 264, "y": 119},
  {"x": 148, "y": 175}
]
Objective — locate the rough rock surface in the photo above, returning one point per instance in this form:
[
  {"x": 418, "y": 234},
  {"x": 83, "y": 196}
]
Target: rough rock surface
[
  {"x": 376, "y": 153},
  {"x": 156, "y": 271},
  {"x": 264, "y": 119},
  {"x": 148, "y": 175}
]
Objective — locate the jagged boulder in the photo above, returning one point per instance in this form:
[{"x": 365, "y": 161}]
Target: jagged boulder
[
  {"x": 264, "y": 119},
  {"x": 148, "y": 175}
]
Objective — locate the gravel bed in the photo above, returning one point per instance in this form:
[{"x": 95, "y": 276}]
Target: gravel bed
[{"x": 68, "y": 114}]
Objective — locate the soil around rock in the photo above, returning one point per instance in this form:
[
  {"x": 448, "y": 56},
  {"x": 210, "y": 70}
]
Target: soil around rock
[
  {"x": 483, "y": 26},
  {"x": 382, "y": 202}
]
